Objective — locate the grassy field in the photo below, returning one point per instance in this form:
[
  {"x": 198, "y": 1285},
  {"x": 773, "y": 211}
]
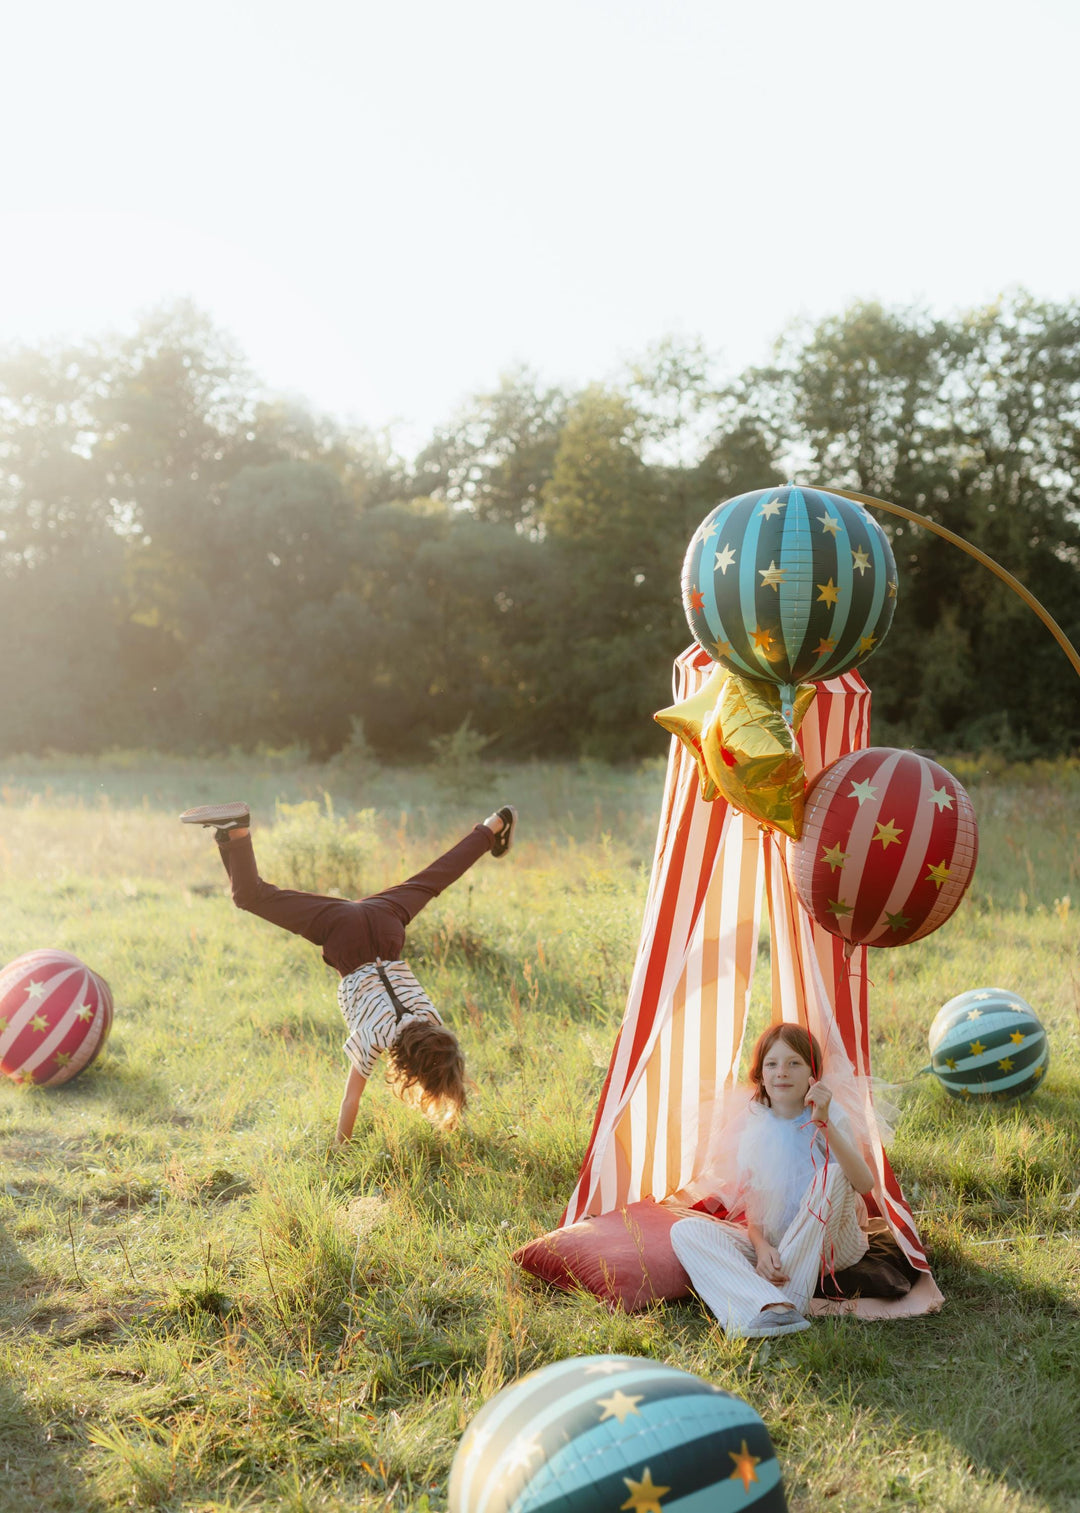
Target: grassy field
[{"x": 205, "y": 1309}]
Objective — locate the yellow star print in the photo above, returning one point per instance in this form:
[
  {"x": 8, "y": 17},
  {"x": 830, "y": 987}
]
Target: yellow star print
[
  {"x": 645, "y": 1495},
  {"x": 838, "y": 907},
  {"x": 892, "y": 588},
  {"x": 619, "y": 1406},
  {"x": 828, "y": 593},
  {"x": 723, "y": 648},
  {"x": 762, "y": 639},
  {"x": 1016, "y": 1038},
  {"x": 1039, "y": 1070},
  {"x": 744, "y": 1466},
  {"x": 824, "y": 647},
  {"x": 977, "y": 1048},
  {"x": 63, "y": 1057},
  {"x": 1007, "y": 1064},
  {"x": 860, "y": 561},
  {"x": 833, "y": 856},
  {"x": 938, "y": 874},
  {"x": 39, "y": 1022},
  {"x": 829, "y": 523},
  {"x": 772, "y": 576},
  {"x": 887, "y": 834},
  {"x": 950, "y": 1063},
  {"x": 867, "y": 643}
]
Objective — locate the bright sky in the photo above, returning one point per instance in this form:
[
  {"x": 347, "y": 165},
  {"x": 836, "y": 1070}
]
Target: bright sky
[{"x": 389, "y": 202}]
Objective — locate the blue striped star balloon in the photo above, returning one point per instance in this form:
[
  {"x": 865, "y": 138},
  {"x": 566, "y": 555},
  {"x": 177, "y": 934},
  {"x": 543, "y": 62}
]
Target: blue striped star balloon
[
  {"x": 988, "y": 1043},
  {"x": 597, "y": 1433},
  {"x": 789, "y": 584}
]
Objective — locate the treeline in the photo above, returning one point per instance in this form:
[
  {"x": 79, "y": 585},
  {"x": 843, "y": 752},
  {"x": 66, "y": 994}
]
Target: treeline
[{"x": 187, "y": 566}]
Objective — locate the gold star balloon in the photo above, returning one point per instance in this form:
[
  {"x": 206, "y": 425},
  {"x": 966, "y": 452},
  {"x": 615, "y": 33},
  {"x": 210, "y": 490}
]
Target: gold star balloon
[
  {"x": 685, "y": 720},
  {"x": 751, "y": 754}
]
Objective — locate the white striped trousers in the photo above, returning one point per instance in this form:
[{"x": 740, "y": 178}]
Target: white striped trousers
[{"x": 719, "y": 1258}]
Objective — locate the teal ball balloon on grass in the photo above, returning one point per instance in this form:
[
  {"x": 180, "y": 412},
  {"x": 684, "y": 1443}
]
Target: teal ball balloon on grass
[
  {"x": 790, "y": 585},
  {"x": 988, "y": 1043},
  {"x": 597, "y": 1433}
]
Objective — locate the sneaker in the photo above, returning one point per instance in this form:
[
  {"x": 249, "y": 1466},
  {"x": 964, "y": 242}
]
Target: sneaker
[
  {"x": 501, "y": 844},
  {"x": 222, "y": 816},
  {"x": 777, "y": 1321}
]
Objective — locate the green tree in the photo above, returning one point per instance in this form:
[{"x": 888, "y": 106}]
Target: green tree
[
  {"x": 972, "y": 422},
  {"x": 497, "y": 454}
]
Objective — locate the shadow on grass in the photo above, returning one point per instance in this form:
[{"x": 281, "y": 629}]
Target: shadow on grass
[
  {"x": 15, "y": 1269},
  {"x": 39, "y": 1456},
  {"x": 115, "y": 1084},
  {"x": 40, "y": 1469},
  {"x": 994, "y": 1373}
]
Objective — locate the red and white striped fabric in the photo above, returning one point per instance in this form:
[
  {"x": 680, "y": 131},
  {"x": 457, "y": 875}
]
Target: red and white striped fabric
[
  {"x": 55, "y": 1016},
  {"x": 682, "y": 1032}
]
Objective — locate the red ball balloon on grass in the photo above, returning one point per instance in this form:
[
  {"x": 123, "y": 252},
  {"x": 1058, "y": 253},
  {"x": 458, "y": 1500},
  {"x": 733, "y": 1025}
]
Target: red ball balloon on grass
[
  {"x": 888, "y": 847},
  {"x": 55, "y": 1016}
]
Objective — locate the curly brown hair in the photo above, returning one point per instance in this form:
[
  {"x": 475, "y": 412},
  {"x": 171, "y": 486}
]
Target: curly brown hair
[
  {"x": 801, "y": 1042},
  {"x": 427, "y": 1071}
]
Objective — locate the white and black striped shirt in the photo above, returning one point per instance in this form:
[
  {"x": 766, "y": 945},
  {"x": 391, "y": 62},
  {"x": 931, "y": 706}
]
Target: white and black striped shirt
[{"x": 370, "y": 1016}]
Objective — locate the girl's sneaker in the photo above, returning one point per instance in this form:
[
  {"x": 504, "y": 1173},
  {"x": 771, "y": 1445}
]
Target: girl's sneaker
[
  {"x": 221, "y": 816},
  {"x": 777, "y": 1321},
  {"x": 501, "y": 844}
]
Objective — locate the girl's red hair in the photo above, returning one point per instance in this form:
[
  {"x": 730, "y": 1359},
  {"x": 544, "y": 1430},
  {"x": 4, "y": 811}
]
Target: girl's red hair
[{"x": 801, "y": 1042}]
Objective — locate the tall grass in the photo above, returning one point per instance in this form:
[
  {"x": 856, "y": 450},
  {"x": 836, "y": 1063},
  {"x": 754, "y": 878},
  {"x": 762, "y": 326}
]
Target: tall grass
[{"x": 205, "y": 1308}]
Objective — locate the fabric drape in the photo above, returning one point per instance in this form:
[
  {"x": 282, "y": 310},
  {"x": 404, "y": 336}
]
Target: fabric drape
[{"x": 678, "y": 1048}]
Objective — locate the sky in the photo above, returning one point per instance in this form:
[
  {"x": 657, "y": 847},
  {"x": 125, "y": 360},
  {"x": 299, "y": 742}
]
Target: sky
[{"x": 388, "y": 205}]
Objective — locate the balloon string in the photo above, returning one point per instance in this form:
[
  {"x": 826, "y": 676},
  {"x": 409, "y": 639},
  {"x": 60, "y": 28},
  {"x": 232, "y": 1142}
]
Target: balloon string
[
  {"x": 847, "y": 970},
  {"x": 827, "y": 1265},
  {"x": 973, "y": 551}
]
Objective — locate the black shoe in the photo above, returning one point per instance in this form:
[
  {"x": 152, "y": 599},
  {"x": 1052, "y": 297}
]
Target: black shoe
[
  {"x": 501, "y": 844},
  {"x": 224, "y": 817}
]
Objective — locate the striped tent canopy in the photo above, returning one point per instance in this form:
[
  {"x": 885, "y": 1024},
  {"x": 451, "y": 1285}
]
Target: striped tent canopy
[{"x": 682, "y": 1034}]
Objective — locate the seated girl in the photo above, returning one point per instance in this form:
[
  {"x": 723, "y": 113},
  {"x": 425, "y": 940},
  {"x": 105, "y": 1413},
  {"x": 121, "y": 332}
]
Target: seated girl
[{"x": 795, "y": 1176}]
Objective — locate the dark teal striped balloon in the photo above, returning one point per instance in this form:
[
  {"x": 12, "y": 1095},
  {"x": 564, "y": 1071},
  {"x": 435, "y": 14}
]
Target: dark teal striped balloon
[
  {"x": 601, "y": 1432},
  {"x": 988, "y": 1043},
  {"x": 791, "y": 585}
]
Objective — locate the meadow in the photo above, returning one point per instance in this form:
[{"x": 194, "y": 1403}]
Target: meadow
[{"x": 205, "y": 1308}]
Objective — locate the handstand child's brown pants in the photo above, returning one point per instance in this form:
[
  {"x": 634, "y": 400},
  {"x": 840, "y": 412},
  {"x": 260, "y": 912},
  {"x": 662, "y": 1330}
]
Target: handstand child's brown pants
[{"x": 350, "y": 931}]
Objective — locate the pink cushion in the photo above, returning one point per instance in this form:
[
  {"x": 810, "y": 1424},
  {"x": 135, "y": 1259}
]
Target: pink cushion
[{"x": 624, "y": 1257}]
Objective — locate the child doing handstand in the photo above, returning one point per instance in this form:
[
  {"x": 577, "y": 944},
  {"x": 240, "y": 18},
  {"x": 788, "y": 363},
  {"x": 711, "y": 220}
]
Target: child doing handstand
[
  {"x": 384, "y": 1006},
  {"x": 794, "y": 1205}
]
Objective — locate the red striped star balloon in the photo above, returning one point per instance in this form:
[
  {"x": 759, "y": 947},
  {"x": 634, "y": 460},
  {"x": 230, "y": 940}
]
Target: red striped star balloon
[
  {"x": 55, "y": 1016},
  {"x": 888, "y": 847}
]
